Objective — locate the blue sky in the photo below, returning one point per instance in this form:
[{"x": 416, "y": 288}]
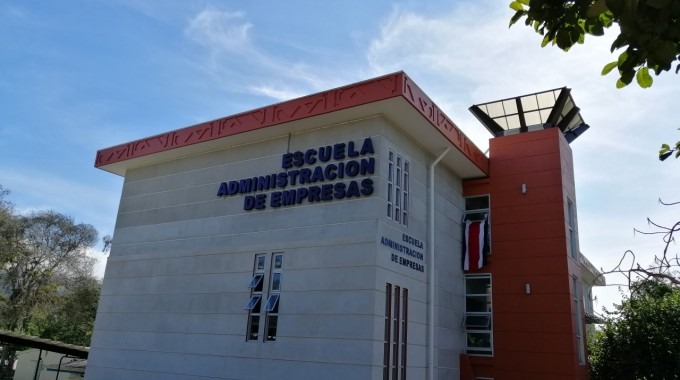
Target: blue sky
[{"x": 79, "y": 76}]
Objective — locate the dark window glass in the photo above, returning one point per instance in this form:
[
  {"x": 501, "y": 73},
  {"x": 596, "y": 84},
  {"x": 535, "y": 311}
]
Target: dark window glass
[
  {"x": 272, "y": 324},
  {"x": 253, "y": 327},
  {"x": 477, "y": 203}
]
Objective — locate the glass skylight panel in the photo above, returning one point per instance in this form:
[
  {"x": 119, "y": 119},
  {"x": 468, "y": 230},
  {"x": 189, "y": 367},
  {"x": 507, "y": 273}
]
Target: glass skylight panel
[
  {"x": 545, "y": 114},
  {"x": 503, "y": 117},
  {"x": 496, "y": 109},
  {"x": 546, "y": 99},
  {"x": 532, "y": 118},
  {"x": 510, "y": 106},
  {"x": 529, "y": 103},
  {"x": 502, "y": 122},
  {"x": 513, "y": 122}
]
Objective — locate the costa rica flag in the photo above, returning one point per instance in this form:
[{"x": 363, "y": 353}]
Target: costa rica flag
[{"x": 475, "y": 244}]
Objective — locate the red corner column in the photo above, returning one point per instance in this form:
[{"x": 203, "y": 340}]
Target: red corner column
[{"x": 531, "y": 184}]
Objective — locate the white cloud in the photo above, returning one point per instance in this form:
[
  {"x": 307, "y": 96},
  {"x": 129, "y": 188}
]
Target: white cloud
[
  {"x": 255, "y": 70},
  {"x": 280, "y": 94},
  {"x": 221, "y": 31}
]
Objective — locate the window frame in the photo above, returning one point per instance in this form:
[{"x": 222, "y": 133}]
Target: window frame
[
  {"x": 571, "y": 230},
  {"x": 271, "y": 308},
  {"x": 477, "y": 330},
  {"x": 254, "y": 305},
  {"x": 578, "y": 315},
  {"x": 398, "y": 187}
]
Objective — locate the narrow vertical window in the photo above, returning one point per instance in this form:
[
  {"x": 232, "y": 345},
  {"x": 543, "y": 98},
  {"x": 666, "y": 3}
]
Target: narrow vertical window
[
  {"x": 478, "y": 316},
  {"x": 254, "y": 305},
  {"x": 405, "y": 190},
  {"x": 579, "y": 321},
  {"x": 404, "y": 331},
  {"x": 397, "y": 188},
  {"x": 571, "y": 224},
  {"x": 388, "y": 332},
  {"x": 273, "y": 300},
  {"x": 395, "y": 332},
  {"x": 390, "y": 184}
]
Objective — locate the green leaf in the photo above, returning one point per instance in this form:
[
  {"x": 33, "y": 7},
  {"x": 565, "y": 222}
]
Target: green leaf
[
  {"x": 563, "y": 39},
  {"x": 619, "y": 42},
  {"x": 595, "y": 29},
  {"x": 575, "y": 34},
  {"x": 516, "y": 6},
  {"x": 525, "y": 2},
  {"x": 609, "y": 67},
  {"x": 545, "y": 41},
  {"x": 606, "y": 19},
  {"x": 620, "y": 84},
  {"x": 627, "y": 76},
  {"x": 518, "y": 15},
  {"x": 643, "y": 78},
  {"x": 663, "y": 53}
]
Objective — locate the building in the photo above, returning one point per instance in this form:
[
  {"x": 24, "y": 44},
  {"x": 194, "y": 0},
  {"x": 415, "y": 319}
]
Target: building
[{"x": 325, "y": 238}]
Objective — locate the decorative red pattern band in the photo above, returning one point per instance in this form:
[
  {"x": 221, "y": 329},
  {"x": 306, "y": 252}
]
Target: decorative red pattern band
[{"x": 373, "y": 90}]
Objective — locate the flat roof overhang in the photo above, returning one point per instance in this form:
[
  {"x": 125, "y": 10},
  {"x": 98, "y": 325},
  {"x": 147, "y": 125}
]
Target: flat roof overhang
[
  {"x": 8, "y": 337},
  {"x": 394, "y": 96}
]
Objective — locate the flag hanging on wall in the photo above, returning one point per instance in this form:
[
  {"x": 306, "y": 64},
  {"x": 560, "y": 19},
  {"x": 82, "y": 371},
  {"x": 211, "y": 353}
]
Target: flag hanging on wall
[{"x": 475, "y": 244}]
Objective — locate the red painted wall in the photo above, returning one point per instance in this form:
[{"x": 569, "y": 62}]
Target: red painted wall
[{"x": 534, "y": 335}]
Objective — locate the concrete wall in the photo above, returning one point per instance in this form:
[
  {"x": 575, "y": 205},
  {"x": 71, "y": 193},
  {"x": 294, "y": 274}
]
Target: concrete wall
[{"x": 176, "y": 283}]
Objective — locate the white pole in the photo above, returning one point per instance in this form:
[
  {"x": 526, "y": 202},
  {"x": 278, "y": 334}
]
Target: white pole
[{"x": 430, "y": 324}]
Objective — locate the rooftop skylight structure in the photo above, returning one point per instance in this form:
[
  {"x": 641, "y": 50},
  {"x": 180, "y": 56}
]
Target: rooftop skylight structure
[{"x": 547, "y": 109}]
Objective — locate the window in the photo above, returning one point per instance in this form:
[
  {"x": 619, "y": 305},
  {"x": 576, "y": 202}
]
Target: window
[
  {"x": 257, "y": 307},
  {"x": 478, "y": 315},
  {"x": 254, "y": 305},
  {"x": 396, "y": 333},
  {"x": 579, "y": 320},
  {"x": 256, "y": 282},
  {"x": 476, "y": 208},
  {"x": 272, "y": 305},
  {"x": 571, "y": 224},
  {"x": 398, "y": 188}
]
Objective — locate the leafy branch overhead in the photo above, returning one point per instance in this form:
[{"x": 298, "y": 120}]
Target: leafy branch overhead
[
  {"x": 649, "y": 31},
  {"x": 666, "y": 151}
]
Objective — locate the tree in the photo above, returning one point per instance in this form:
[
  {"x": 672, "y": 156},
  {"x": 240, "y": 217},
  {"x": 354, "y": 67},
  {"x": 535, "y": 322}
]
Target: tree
[
  {"x": 47, "y": 248},
  {"x": 46, "y": 283},
  {"x": 641, "y": 339},
  {"x": 665, "y": 266},
  {"x": 649, "y": 31},
  {"x": 70, "y": 315}
]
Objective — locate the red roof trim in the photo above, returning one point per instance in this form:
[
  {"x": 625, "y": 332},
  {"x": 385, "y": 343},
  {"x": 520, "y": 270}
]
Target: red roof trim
[
  {"x": 373, "y": 90},
  {"x": 444, "y": 125}
]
